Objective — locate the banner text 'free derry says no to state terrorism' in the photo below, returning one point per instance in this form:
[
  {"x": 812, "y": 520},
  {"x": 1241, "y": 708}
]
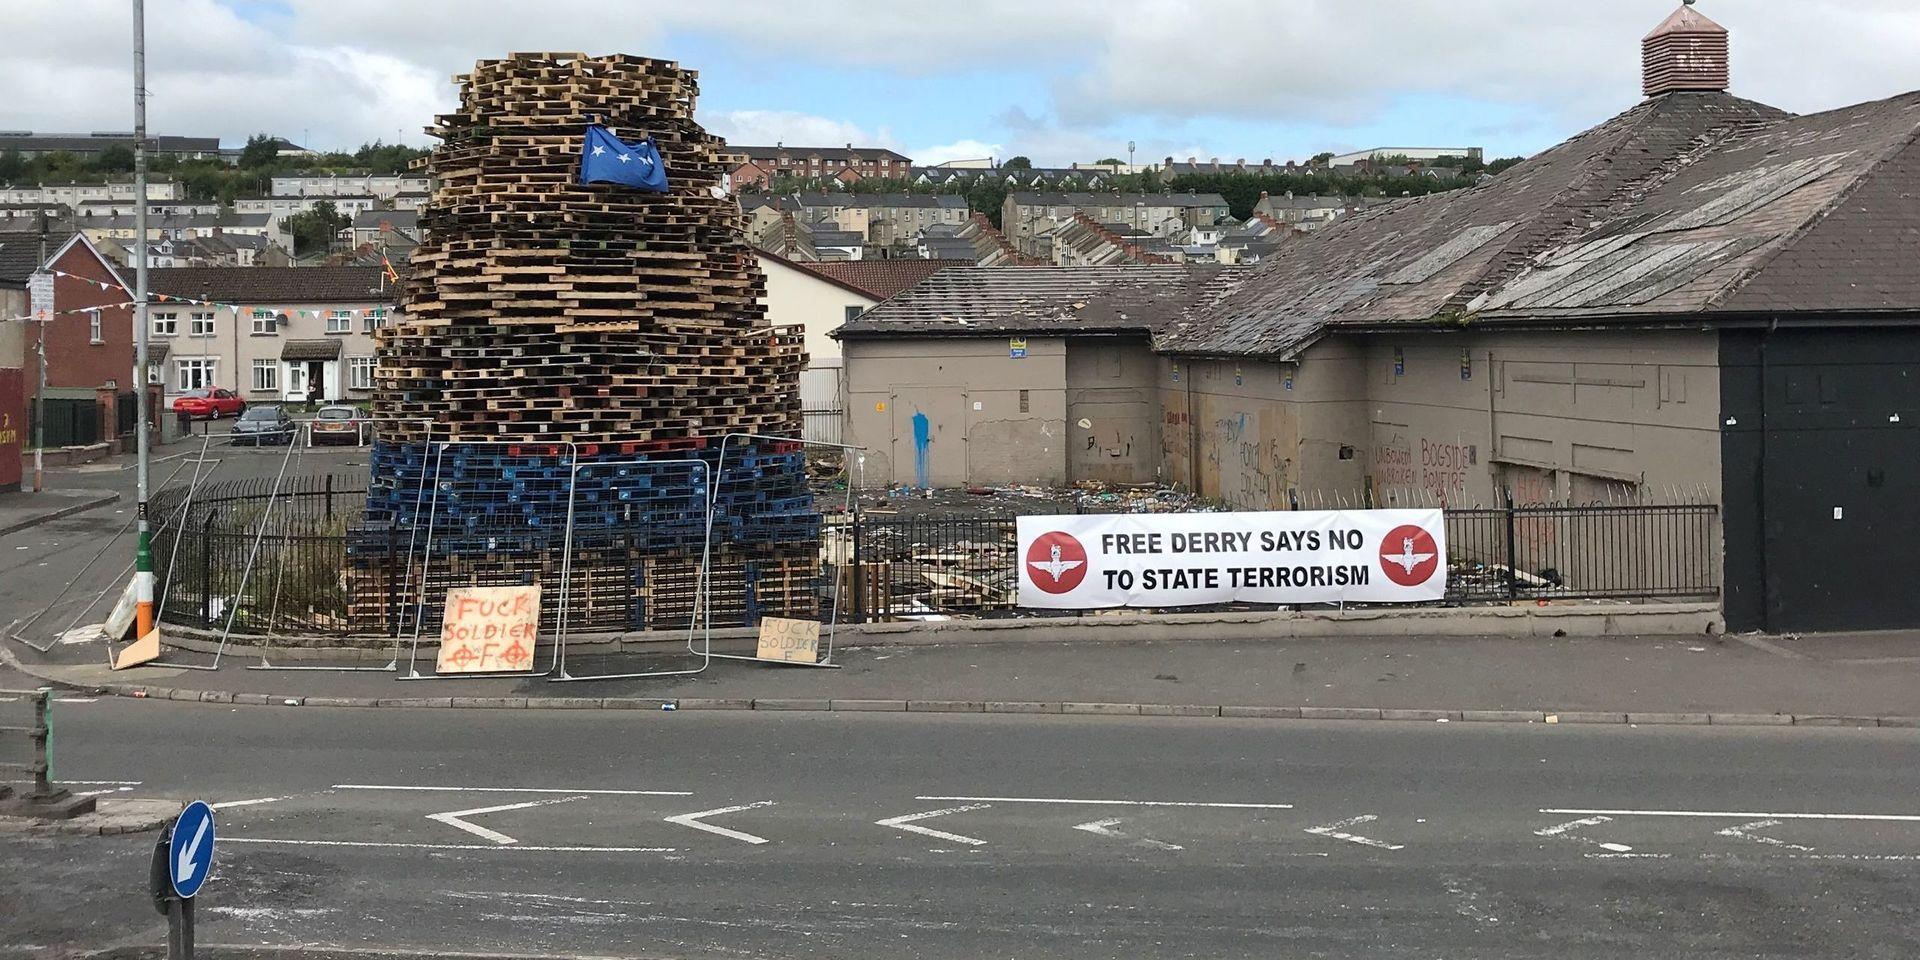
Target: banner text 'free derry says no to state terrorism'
[{"x": 1174, "y": 560}]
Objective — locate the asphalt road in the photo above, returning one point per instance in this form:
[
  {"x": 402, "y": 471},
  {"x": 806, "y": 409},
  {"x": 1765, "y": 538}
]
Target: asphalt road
[{"x": 843, "y": 835}]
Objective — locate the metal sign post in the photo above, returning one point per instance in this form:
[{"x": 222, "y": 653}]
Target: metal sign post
[{"x": 182, "y": 860}]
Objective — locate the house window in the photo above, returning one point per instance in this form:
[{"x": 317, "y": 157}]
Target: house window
[
  {"x": 166, "y": 324},
  {"x": 376, "y": 318},
  {"x": 340, "y": 321},
  {"x": 200, "y": 324},
  {"x": 266, "y": 374},
  {"x": 93, "y": 327},
  {"x": 194, "y": 373},
  {"x": 853, "y": 312},
  {"x": 264, "y": 322},
  {"x": 360, "y": 373}
]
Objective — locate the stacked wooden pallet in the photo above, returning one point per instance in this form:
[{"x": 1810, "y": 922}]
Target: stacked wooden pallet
[
  {"x": 550, "y": 324},
  {"x": 543, "y": 309}
]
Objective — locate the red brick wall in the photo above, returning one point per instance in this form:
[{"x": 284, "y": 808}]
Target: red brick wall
[
  {"x": 13, "y": 427},
  {"x": 73, "y": 359}
]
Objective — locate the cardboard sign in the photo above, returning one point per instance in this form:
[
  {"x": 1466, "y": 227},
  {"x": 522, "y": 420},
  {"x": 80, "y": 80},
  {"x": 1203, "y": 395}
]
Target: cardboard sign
[
  {"x": 1089, "y": 561},
  {"x": 489, "y": 629},
  {"x": 795, "y": 641}
]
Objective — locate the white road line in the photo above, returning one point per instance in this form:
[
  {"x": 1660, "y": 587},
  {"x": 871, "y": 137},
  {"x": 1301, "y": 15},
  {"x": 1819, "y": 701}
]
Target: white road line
[
  {"x": 693, "y": 820},
  {"x": 76, "y": 699},
  {"x": 101, "y": 783},
  {"x": 95, "y": 793},
  {"x": 1104, "y": 828},
  {"x": 1337, "y": 829},
  {"x": 452, "y": 818},
  {"x": 1120, "y": 803},
  {"x": 596, "y": 793},
  {"x": 245, "y": 803},
  {"x": 1715, "y": 814},
  {"x": 447, "y": 846},
  {"x": 1745, "y": 832},
  {"x": 907, "y": 823},
  {"x": 1563, "y": 830}
]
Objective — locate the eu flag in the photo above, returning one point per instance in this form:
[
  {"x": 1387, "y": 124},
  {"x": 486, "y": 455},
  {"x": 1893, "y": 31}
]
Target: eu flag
[{"x": 605, "y": 158}]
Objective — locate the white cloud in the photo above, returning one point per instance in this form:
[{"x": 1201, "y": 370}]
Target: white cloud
[
  {"x": 763, "y": 127},
  {"x": 957, "y": 150},
  {"x": 354, "y": 70}
]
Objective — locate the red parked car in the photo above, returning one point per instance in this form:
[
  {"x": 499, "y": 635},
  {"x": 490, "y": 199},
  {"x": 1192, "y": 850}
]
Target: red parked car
[{"x": 211, "y": 403}]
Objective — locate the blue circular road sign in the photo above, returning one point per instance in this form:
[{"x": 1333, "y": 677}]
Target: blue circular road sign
[{"x": 190, "y": 849}]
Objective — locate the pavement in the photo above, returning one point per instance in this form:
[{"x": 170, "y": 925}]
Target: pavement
[
  {"x": 20, "y": 510},
  {"x": 802, "y": 835},
  {"x": 1862, "y": 679}
]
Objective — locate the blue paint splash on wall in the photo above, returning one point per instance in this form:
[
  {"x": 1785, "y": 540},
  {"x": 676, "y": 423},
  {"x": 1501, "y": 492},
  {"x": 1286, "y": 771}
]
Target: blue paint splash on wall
[{"x": 920, "y": 441}]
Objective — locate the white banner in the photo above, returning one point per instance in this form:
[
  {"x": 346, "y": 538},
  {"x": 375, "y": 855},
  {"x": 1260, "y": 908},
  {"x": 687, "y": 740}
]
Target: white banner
[{"x": 1187, "y": 559}]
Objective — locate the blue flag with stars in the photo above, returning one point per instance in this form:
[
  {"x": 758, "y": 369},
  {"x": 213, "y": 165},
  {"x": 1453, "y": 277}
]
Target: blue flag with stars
[{"x": 605, "y": 158}]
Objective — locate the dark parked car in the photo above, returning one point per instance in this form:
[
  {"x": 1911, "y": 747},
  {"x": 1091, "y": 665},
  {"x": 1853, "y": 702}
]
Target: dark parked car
[
  {"x": 337, "y": 424},
  {"x": 263, "y": 425}
]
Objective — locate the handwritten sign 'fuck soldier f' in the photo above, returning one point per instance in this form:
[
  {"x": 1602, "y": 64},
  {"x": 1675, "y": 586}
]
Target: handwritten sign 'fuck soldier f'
[{"x": 489, "y": 629}]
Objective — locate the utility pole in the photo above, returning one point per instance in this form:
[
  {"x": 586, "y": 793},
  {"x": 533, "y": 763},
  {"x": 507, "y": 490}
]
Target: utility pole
[
  {"x": 40, "y": 394},
  {"x": 143, "y": 555}
]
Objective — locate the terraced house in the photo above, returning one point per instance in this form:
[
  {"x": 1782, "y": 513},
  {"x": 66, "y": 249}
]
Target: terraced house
[{"x": 1703, "y": 296}]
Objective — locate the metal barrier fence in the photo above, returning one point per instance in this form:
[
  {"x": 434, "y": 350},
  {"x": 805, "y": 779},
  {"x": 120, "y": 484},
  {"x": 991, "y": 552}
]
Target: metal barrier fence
[{"x": 324, "y": 557}]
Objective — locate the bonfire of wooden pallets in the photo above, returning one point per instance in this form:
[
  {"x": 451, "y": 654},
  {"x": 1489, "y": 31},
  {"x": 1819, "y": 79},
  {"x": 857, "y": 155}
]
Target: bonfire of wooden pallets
[{"x": 595, "y": 324}]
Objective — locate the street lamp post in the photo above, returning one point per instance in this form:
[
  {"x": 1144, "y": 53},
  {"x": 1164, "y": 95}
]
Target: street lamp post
[{"x": 143, "y": 555}]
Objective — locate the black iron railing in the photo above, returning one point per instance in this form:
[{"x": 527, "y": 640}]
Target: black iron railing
[{"x": 302, "y": 560}]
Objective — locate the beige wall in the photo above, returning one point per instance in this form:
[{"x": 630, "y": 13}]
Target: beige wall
[
  {"x": 801, "y": 298},
  {"x": 235, "y": 346},
  {"x": 1113, "y": 414},
  {"x": 970, "y": 391}
]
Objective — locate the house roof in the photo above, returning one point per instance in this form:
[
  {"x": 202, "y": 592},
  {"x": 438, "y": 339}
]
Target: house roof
[
  {"x": 403, "y": 220},
  {"x": 310, "y": 350},
  {"x": 971, "y": 301},
  {"x": 270, "y": 285},
  {"x": 1689, "y": 203},
  {"x": 882, "y": 278},
  {"x": 1035, "y": 198},
  {"x": 825, "y": 153},
  {"x": 802, "y": 201}
]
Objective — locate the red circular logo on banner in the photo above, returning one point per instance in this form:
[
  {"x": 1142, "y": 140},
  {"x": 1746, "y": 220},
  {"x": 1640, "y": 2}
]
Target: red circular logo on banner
[
  {"x": 1056, "y": 562},
  {"x": 1408, "y": 555}
]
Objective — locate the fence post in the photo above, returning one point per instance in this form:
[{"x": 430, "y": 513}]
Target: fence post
[
  {"x": 329, "y": 498},
  {"x": 43, "y": 742},
  {"x": 206, "y": 572},
  {"x": 858, "y": 572},
  {"x": 1513, "y": 559}
]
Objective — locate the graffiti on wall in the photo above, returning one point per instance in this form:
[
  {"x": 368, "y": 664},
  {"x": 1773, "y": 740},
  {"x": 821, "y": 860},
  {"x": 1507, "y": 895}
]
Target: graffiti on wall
[{"x": 1438, "y": 468}]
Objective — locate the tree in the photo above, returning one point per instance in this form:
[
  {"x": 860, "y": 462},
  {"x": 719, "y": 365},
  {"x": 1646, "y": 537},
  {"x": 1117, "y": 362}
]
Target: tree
[
  {"x": 116, "y": 158},
  {"x": 1503, "y": 163},
  {"x": 316, "y": 228},
  {"x": 260, "y": 151},
  {"x": 987, "y": 195},
  {"x": 1321, "y": 159},
  {"x": 1016, "y": 163},
  {"x": 1110, "y": 162},
  {"x": 11, "y": 166}
]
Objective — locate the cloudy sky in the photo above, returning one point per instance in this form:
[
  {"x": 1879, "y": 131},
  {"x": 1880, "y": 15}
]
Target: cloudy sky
[{"x": 1059, "y": 80}]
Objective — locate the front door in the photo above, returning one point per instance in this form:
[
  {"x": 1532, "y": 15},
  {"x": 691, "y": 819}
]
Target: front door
[{"x": 317, "y": 381}]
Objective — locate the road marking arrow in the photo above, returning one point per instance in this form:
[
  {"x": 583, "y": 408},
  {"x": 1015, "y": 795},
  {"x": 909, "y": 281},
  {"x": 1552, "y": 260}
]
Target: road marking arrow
[
  {"x": 693, "y": 820},
  {"x": 452, "y": 818},
  {"x": 1104, "y": 828},
  {"x": 184, "y": 866},
  {"x": 1745, "y": 832},
  {"x": 1563, "y": 831},
  {"x": 907, "y": 823},
  {"x": 1337, "y": 830}
]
